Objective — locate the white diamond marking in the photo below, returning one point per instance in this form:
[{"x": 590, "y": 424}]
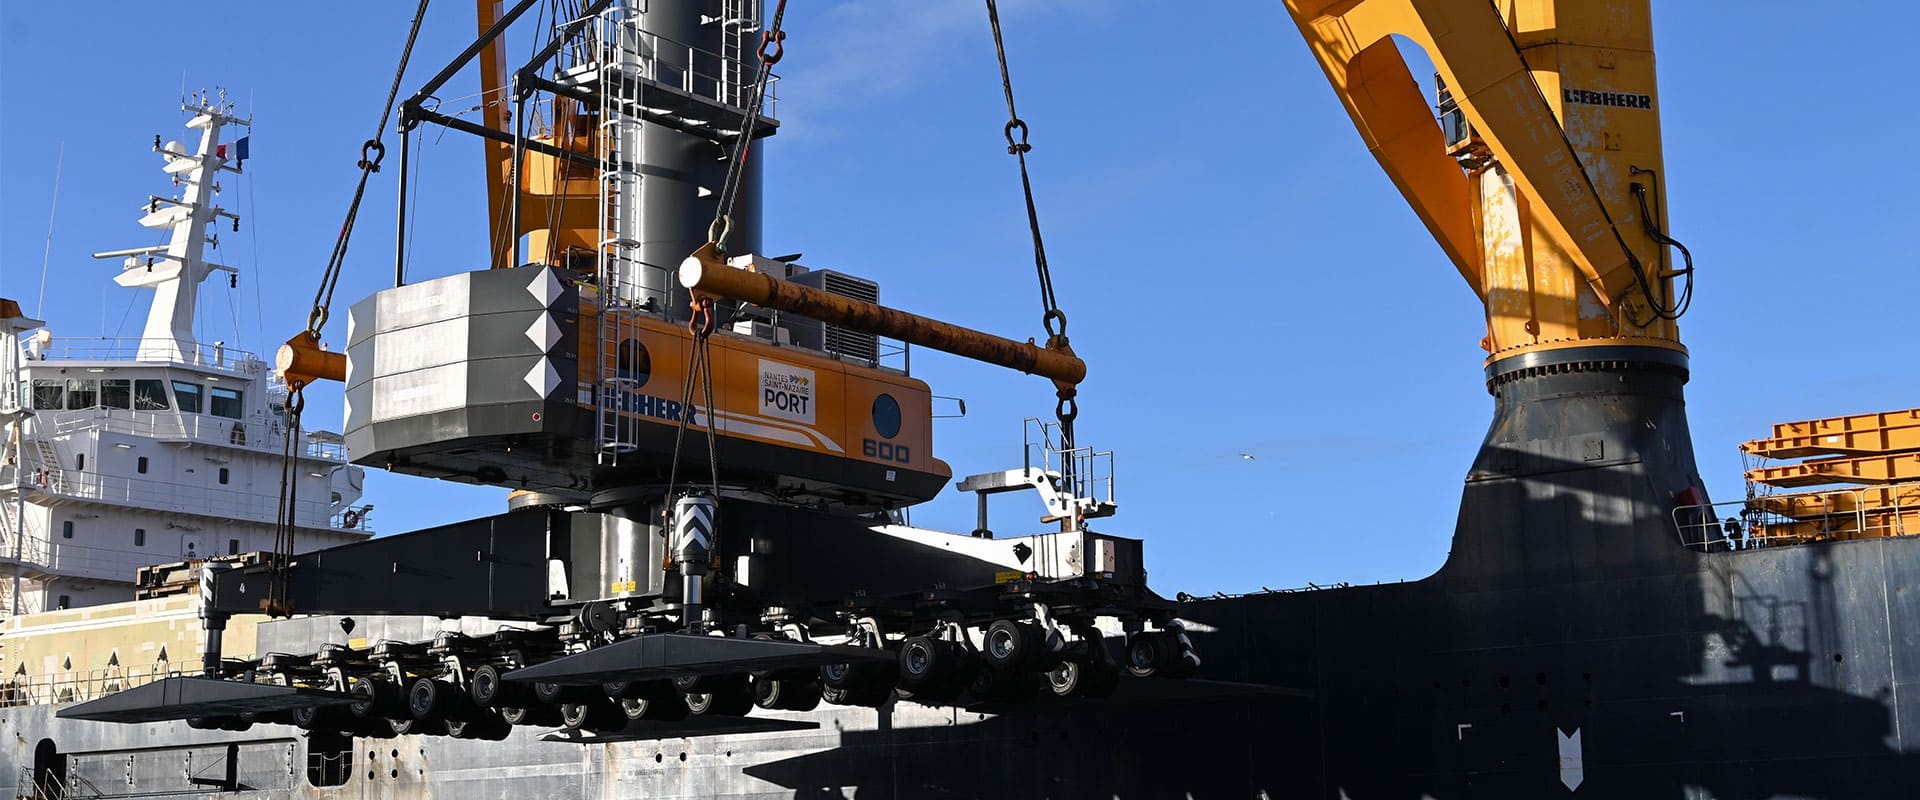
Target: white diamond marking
[
  {"x": 545, "y": 288},
  {"x": 544, "y": 332},
  {"x": 543, "y": 377}
]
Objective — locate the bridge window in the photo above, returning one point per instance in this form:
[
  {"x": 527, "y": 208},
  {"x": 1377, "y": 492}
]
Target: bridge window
[
  {"x": 82, "y": 393},
  {"x": 188, "y": 394},
  {"x": 116, "y": 393},
  {"x": 149, "y": 395},
  {"x": 49, "y": 395},
  {"x": 225, "y": 403}
]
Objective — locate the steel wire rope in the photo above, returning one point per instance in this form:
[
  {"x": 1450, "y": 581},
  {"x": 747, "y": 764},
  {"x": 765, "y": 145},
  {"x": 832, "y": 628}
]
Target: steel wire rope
[
  {"x": 1068, "y": 408},
  {"x": 371, "y": 154},
  {"x": 772, "y": 49}
]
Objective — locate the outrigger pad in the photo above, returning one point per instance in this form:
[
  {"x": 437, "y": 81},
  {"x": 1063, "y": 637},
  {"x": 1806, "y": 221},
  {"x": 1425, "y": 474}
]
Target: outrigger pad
[
  {"x": 183, "y": 697},
  {"x": 653, "y": 656}
]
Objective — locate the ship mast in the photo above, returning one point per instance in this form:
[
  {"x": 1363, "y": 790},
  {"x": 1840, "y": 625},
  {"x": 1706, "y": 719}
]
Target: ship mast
[{"x": 174, "y": 270}]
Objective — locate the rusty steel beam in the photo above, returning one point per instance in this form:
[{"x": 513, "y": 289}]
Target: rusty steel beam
[{"x": 704, "y": 273}]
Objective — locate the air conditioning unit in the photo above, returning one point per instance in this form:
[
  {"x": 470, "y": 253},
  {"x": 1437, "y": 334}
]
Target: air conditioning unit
[{"x": 833, "y": 338}]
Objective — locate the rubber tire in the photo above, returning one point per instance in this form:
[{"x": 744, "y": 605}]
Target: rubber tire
[
  {"x": 593, "y": 715},
  {"x": 927, "y": 663},
  {"x": 722, "y": 695},
  {"x": 536, "y": 715},
  {"x": 321, "y": 718},
  {"x": 485, "y": 727},
  {"x": 1011, "y": 644},
  {"x": 376, "y": 699},
  {"x": 1151, "y": 653},
  {"x": 488, "y": 690},
  {"x": 406, "y": 727},
  {"x": 849, "y": 675},
  {"x": 786, "y": 692},
  {"x": 558, "y": 694},
  {"x": 653, "y": 700},
  {"x": 430, "y": 698},
  {"x": 867, "y": 697}
]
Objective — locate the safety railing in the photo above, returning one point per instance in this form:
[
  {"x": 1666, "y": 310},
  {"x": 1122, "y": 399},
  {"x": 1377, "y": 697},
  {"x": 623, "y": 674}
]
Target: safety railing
[
  {"x": 80, "y": 685},
  {"x": 695, "y": 72},
  {"x": 166, "y": 496},
  {"x": 217, "y": 356},
  {"x": 1087, "y": 473},
  {"x": 1869, "y": 512},
  {"x": 260, "y": 432}
]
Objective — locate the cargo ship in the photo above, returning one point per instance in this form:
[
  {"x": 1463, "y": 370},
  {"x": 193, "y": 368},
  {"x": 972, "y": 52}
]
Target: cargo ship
[{"x": 706, "y": 585}]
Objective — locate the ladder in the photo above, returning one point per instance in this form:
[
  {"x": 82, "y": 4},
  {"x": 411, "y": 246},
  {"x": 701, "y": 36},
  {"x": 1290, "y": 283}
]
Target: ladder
[
  {"x": 737, "y": 19},
  {"x": 55, "y": 478},
  {"x": 623, "y": 66}
]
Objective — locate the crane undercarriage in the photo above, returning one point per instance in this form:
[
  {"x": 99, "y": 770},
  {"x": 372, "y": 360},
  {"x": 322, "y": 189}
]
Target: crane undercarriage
[{"x": 564, "y": 617}]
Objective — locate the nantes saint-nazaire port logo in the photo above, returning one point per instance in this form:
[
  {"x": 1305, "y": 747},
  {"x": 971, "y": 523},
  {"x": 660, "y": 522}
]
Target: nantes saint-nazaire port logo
[{"x": 786, "y": 392}]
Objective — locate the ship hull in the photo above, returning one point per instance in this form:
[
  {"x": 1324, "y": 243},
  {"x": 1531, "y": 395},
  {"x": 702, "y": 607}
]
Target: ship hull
[{"x": 1571, "y": 645}]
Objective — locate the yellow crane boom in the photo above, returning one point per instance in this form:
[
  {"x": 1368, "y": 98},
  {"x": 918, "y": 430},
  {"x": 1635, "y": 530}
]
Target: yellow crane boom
[{"x": 1550, "y": 119}]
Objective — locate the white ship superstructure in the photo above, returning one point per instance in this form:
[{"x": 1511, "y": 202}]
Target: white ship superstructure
[{"x": 121, "y": 453}]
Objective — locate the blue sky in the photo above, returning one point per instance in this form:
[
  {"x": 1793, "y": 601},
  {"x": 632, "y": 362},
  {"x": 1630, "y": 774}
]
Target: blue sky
[{"x": 1240, "y": 275}]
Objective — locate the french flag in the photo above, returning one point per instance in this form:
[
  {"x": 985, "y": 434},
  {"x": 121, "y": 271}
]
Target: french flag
[{"x": 235, "y": 151}]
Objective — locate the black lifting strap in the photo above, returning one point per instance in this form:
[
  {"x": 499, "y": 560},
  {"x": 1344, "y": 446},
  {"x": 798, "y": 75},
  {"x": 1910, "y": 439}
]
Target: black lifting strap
[{"x": 1051, "y": 315}]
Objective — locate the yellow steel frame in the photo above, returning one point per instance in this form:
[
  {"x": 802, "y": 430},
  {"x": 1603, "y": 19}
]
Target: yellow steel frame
[
  {"x": 1561, "y": 94},
  {"x": 1857, "y": 434}
]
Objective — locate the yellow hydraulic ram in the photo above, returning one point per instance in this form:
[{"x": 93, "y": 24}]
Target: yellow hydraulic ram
[{"x": 705, "y": 274}]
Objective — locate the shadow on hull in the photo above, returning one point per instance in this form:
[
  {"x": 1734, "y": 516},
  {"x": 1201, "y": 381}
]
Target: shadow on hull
[{"x": 1570, "y": 646}]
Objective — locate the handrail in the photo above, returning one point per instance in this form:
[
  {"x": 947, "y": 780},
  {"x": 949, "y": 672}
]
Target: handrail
[
  {"x": 80, "y": 686},
  {"x": 217, "y": 356},
  {"x": 259, "y": 432},
  {"x": 1831, "y": 514}
]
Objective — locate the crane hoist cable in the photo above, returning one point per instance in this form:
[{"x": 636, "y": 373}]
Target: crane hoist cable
[
  {"x": 1068, "y": 407},
  {"x": 371, "y": 153},
  {"x": 772, "y": 49}
]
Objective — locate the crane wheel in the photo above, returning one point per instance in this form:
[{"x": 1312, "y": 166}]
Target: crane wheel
[
  {"x": 486, "y": 689},
  {"x": 786, "y": 692},
  {"x": 594, "y": 715},
  {"x": 655, "y": 700},
  {"x": 373, "y": 699},
  {"x": 406, "y": 727},
  {"x": 928, "y": 664},
  {"x": 320, "y": 718},
  {"x": 852, "y": 675},
  {"x": 560, "y": 694},
  {"x": 1083, "y": 678},
  {"x": 720, "y": 695},
  {"x": 430, "y": 699},
  {"x": 1151, "y": 653},
  {"x": 1011, "y": 644},
  {"x": 536, "y": 715},
  {"x": 489, "y": 728}
]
